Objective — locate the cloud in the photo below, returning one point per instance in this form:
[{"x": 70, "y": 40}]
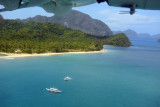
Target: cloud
[
  {"x": 147, "y": 21},
  {"x": 1, "y": 6},
  {"x": 114, "y": 19}
]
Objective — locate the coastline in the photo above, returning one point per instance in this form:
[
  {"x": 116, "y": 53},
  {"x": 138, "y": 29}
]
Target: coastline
[
  {"x": 108, "y": 45},
  {"x": 13, "y": 55}
]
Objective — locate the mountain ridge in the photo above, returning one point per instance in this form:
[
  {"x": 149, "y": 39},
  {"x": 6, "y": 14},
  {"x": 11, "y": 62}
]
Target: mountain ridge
[
  {"x": 134, "y": 35},
  {"x": 78, "y": 21}
]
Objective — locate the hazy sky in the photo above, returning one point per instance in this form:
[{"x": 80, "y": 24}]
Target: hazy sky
[{"x": 144, "y": 21}]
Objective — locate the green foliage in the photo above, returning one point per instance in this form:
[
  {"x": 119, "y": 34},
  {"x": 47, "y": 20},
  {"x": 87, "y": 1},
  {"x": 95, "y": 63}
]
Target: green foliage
[
  {"x": 35, "y": 37},
  {"x": 118, "y": 40}
]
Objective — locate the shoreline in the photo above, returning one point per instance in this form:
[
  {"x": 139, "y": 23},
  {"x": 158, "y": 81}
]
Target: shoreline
[
  {"x": 13, "y": 55},
  {"x": 108, "y": 45}
]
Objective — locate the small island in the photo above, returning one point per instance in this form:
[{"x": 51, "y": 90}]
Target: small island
[{"x": 37, "y": 38}]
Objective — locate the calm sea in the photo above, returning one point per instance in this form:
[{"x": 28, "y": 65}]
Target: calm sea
[{"x": 122, "y": 77}]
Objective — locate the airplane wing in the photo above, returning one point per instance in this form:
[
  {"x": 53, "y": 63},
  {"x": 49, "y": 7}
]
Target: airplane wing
[
  {"x": 77, "y": 3},
  {"x": 62, "y": 7},
  {"x": 140, "y": 4},
  {"x": 134, "y": 4},
  {"x": 58, "y": 9},
  {"x": 10, "y": 4}
]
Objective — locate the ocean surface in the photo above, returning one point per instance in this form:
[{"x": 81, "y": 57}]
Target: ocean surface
[{"x": 121, "y": 77}]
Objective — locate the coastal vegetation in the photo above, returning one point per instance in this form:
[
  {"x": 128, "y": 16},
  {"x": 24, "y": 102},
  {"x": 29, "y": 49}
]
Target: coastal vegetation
[
  {"x": 117, "y": 40},
  {"x": 35, "y": 37}
]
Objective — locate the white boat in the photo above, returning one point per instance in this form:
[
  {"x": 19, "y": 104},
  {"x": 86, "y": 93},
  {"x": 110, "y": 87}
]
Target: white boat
[
  {"x": 53, "y": 90},
  {"x": 67, "y": 78}
]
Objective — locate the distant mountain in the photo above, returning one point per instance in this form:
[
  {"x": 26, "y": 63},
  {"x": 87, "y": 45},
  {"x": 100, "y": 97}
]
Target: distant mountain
[
  {"x": 131, "y": 34},
  {"x": 116, "y": 32},
  {"x": 78, "y": 21},
  {"x": 146, "y": 36},
  {"x": 157, "y": 36}
]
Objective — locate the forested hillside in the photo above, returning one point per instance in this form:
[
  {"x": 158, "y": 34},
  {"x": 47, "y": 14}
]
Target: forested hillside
[
  {"x": 118, "y": 40},
  {"x": 35, "y": 37}
]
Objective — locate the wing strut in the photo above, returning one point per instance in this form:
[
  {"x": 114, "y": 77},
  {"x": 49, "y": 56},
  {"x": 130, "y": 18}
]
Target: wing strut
[
  {"x": 99, "y": 1},
  {"x": 20, "y": 2}
]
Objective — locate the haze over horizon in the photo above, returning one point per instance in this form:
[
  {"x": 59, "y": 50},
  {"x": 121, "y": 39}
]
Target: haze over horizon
[{"x": 144, "y": 21}]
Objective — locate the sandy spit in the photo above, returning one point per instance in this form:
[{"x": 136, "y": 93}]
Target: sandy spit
[{"x": 14, "y": 55}]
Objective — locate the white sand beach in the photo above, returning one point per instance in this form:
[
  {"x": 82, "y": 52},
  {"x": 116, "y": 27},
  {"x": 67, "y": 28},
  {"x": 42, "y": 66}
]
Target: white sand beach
[{"x": 15, "y": 55}]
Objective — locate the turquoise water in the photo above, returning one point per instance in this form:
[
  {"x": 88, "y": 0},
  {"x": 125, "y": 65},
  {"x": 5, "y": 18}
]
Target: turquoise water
[{"x": 122, "y": 77}]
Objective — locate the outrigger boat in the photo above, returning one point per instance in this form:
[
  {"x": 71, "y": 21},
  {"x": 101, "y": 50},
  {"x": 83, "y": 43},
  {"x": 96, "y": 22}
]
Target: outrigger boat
[
  {"x": 67, "y": 78},
  {"x": 53, "y": 90}
]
